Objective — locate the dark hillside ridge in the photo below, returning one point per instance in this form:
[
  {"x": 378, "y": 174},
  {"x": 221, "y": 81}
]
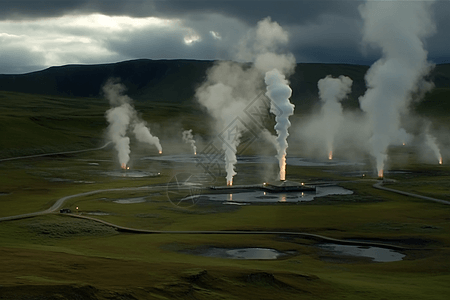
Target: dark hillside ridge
[
  {"x": 175, "y": 81},
  {"x": 161, "y": 80}
]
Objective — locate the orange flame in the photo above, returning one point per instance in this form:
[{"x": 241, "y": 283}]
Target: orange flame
[
  {"x": 283, "y": 168},
  {"x": 123, "y": 166},
  {"x": 160, "y": 151},
  {"x": 440, "y": 160},
  {"x": 230, "y": 182},
  {"x": 330, "y": 155},
  {"x": 380, "y": 173}
]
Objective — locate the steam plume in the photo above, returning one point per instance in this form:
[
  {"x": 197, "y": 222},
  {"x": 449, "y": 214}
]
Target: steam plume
[
  {"x": 270, "y": 57},
  {"x": 431, "y": 142},
  {"x": 398, "y": 29},
  {"x": 331, "y": 91},
  {"x": 230, "y": 87},
  {"x": 279, "y": 93},
  {"x": 266, "y": 47},
  {"x": 188, "y": 138},
  {"x": 120, "y": 117},
  {"x": 225, "y": 101},
  {"x": 143, "y": 135}
]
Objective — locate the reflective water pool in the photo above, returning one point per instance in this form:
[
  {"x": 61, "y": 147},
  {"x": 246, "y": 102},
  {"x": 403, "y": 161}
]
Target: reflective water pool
[
  {"x": 241, "y": 253},
  {"x": 377, "y": 254},
  {"x": 260, "y": 196}
]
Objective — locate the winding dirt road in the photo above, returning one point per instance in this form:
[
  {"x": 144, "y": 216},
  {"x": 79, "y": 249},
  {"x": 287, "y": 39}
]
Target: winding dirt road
[
  {"x": 59, "y": 203},
  {"x": 56, "y": 153},
  {"x": 379, "y": 185}
]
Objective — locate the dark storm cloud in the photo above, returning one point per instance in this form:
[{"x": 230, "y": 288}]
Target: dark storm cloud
[
  {"x": 250, "y": 11},
  {"x": 169, "y": 42},
  {"x": 35, "y": 9},
  {"x": 319, "y": 30},
  {"x": 438, "y": 45}
]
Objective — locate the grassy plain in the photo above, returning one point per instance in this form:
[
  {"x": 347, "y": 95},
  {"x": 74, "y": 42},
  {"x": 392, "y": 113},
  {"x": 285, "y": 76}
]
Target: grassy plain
[{"x": 61, "y": 257}]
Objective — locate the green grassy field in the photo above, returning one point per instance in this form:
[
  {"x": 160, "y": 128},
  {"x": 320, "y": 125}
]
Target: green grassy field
[{"x": 61, "y": 257}]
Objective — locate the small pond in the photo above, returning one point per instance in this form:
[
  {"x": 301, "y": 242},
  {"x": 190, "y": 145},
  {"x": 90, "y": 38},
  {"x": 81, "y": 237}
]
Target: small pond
[
  {"x": 131, "y": 200},
  {"x": 377, "y": 254},
  {"x": 96, "y": 213},
  {"x": 240, "y": 253}
]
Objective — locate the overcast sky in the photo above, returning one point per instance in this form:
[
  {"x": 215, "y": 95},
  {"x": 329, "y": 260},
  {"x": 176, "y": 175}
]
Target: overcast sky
[{"x": 35, "y": 34}]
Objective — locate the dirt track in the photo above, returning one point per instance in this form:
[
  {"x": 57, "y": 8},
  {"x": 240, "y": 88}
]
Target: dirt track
[{"x": 380, "y": 187}]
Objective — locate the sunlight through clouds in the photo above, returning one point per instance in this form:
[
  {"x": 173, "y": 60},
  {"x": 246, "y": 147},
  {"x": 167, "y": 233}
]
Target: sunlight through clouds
[
  {"x": 116, "y": 23},
  {"x": 73, "y": 39}
]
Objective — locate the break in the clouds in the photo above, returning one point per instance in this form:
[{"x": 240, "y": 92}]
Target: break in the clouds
[{"x": 35, "y": 34}]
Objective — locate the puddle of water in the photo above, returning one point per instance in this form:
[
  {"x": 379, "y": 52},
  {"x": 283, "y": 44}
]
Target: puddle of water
[
  {"x": 97, "y": 213},
  {"x": 376, "y": 253},
  {"x": 235, "y": 203},
  {"x": 130, "y": 200},
  {"x": 260, "y": 196},
  {"x": 254, "y": 253},
  {"x": 242, "y": 253},
  {"x": 59, "y": 180}
]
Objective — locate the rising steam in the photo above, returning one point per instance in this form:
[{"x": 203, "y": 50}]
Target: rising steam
[
  {"x": 224, "y": 95},
  {"x": 279, "y": 93},
  {"x": 120, "y": 117},
  {"x": 143, "y": 135},
  {"x": 188, "y": 138},
  {"x": 398, "y": 28},
  {"x": 431, "y": 142},
  {"x": 231, "y": 87},
  {"x": 331, "y": 92}
]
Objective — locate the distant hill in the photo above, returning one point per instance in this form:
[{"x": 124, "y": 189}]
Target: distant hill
[{"x": 175, "y": 81}]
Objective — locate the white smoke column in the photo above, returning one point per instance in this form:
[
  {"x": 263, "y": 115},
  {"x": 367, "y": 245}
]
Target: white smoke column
[
  {"x": 398, "y": 28},
  {"x": 143, "y": 135},
  {"x": 431, "y": 142},
  {"x": 120, "y": 116},
  {"x": 119, "y": 119},
  {"x": 266, "y": 46},
  {"x": 230, "y": 87},
  {"x": 225, "y": 94},
  {"x": 230, "y": 148},
  {"x": 188, "y": 138},
  {"x": 279, "y": 93},
  {"x": 331, "y": 92}
]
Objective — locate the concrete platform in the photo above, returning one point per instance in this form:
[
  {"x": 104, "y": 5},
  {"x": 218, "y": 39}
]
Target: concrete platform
[{"x": 271, "y": 187}]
